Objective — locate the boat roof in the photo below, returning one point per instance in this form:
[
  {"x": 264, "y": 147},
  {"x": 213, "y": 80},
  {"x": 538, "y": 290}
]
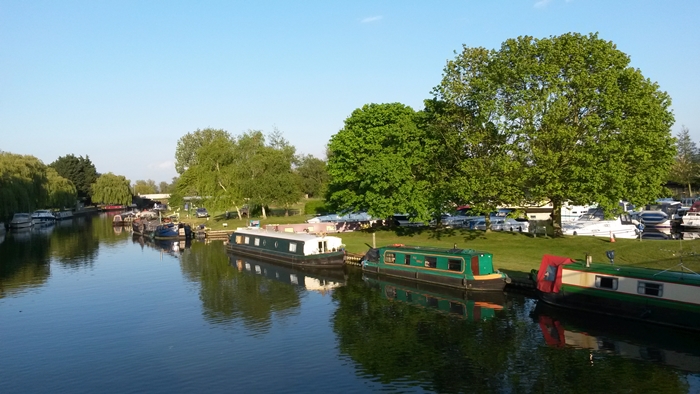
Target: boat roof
[
  {"x": 430, "y": 249},
  {"x": 680, "y": 277},
  {"x": 255, "y": 231}
]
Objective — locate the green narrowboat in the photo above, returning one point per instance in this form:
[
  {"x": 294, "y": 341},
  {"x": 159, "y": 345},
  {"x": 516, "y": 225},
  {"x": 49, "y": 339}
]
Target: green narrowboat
[
  {"x": 665, "y": 297},
  {"x": 302, "y": 250},
  {"x": 466, "y": 269}
]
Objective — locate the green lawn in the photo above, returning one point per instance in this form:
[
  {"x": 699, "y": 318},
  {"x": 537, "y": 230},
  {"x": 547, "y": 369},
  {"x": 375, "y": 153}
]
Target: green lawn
[{"x": 513, "y": 252}]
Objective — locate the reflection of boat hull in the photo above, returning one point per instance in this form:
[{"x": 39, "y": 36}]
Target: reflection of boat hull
[
  {"x": 664, "y": 345},
  {"x": 662, "y": 297},
  {"x": 461, "y": 303},
  {"x": 310, "y": 278}
]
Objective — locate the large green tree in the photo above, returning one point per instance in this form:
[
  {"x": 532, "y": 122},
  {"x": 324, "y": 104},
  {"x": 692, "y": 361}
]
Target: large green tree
[
  {"x": 112, "y": 189},
  {"x": 378, "y": 162},
  {"x": 686, "y": 167},
  {"x": 61, "y": 191},
  {"x": 190, "y": 143},
  {"x": 23, "y": 184},
  {"x": 313, "y": 175},
  {"x": 564, "y": 118},
  {"x": 145, "y": 187},
  {"x": 78, "y": 170}
]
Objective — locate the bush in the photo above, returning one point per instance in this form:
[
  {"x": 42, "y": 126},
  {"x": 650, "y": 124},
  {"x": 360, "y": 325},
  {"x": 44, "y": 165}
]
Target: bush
[{"x": 315, "y": 207}]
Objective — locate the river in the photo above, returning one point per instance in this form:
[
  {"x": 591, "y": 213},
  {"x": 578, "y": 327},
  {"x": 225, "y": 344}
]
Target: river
[{"x": 85, "y": 308}]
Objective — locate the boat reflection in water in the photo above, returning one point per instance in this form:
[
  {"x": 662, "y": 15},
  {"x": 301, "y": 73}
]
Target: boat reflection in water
[
  {"x": 469, "y": 305},
  {"x": 322, "y": 280},
  {"x": 634, "y": 340},
  {"x": 173, "y": 247}
]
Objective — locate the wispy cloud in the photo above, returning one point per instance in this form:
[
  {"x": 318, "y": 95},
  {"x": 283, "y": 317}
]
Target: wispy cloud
[
  {"x": 166, "y": 165},
  {"x": 371, "y": 19},
  {"x": 542, "y": 3}
]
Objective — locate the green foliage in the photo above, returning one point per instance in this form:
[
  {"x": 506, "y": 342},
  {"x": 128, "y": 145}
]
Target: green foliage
[
  {"x": 378, "y": 163},
  {"x": 686, "y": 166},
  {"x": 315, "y": 207},
  {"x": 112, "y": 189},
  {"x": 61, "y": 191},
  {"x": 557, "y": 119},
  {"x": 145, "y": 187},
  {"x": 190, "y": 143},
  {"x": 80, "y": 171},
  {"x": 23, "y": 184},
  {"x": 313, "y": 175}
]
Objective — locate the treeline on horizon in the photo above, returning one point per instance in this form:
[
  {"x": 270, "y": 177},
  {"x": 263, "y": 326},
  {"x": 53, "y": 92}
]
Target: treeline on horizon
[{"x": 558, "y": 119}]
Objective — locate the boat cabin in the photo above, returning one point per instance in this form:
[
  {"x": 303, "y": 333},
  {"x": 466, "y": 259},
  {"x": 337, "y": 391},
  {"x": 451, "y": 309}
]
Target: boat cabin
[{"x": 287, "y": 243}]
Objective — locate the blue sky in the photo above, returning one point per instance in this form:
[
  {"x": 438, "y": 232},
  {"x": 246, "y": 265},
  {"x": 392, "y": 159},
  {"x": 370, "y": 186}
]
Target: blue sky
[{"x": 122, "y": 81}]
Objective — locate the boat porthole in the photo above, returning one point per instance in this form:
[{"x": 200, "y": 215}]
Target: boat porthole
[
  {"x": 275, "y": 244},
  {"x": 264, "y": 242}
]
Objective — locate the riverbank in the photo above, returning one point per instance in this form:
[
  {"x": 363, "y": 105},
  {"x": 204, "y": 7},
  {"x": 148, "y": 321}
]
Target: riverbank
[{"x": 513, "y": 252}]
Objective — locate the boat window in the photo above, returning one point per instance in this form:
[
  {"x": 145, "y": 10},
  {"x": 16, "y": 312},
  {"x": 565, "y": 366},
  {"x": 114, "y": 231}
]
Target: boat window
[
  {"x": 431, "y": 261},
  {"x": 389, "y": 257},
  {"x": 239, "y": 239},
  {"x": 407, "y": 259},
  {"x": 257, "y": 241},
  {"x": 246, "y": 240},
  {"x": 432, "y": 301},
  {"x": 454, "y": 265},
  {"x": 276, "y": 244},
  {"x": 293, "y": 247},
  {"x": 457, "y": 308},
  {"x": 606, "y": 282},
  {"x": 264, "y": 242},
  {"x": 652, "y": 289}
]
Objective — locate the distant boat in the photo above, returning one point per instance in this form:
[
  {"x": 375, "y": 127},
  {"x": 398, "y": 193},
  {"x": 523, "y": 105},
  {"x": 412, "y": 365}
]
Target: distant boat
[
  {"x": 21, "y": 220},
  {"x": 691, "y": 219},
  {"x": 664, "y": 213},
  {"x": 595, "y": 224},
  {"x": 43, "y": 217},
  {"x": 62, "y": 215},
  {"x": 300, "y": 250},
  {"x": 113, "y": 207}
]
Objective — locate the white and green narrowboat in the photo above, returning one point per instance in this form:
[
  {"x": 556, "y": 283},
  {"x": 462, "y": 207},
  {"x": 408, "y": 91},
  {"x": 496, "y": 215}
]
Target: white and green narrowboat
[
  {"x": 665, "y": 297},
  {"x": 304, "y": 250},
  {"x": 466, "y": 269}
]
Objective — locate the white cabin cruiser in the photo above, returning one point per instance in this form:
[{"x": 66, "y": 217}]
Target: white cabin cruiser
[
  {"x": 595, "y": 224},
  {"x": 691, "y": 219},
  {"x": 664, "y": 213},
  {"x": 21, "y": 220},
  {"x": 43, "y": 216}
]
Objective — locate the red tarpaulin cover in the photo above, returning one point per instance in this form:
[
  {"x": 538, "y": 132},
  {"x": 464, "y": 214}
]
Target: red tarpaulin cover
[{"x": 546, "y": 284}]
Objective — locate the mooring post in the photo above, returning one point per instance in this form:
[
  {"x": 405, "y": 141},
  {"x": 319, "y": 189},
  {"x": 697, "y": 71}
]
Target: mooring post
[{"x": 374, "y": 240}]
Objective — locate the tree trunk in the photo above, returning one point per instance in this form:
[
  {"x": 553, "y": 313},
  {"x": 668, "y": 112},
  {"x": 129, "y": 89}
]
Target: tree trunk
[
  {"x": 690, "y": 191},
  {"x": 263, "y": 212},
  {"x": 556, "y": 218}
]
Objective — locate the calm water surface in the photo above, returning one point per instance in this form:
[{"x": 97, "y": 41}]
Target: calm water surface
[{"x": 86, "y": 309}]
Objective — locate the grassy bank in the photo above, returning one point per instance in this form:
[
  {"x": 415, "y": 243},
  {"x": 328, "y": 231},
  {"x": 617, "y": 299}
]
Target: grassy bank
[{"x": 513, "y": 252}]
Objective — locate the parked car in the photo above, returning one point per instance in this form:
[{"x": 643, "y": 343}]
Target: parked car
[{"x": 202, "y": 213}]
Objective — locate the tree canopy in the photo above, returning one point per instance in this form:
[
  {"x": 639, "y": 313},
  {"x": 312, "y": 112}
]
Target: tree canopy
[
  {"x": 686, "y": 166},
  {"x": 557, "y": 119},
  {"x": 378, "y": 162},
  {"x": 78, "y": 170},
  {"x": 112, "y": 189},
  {"x": 145, "y": 187},
  {"x": 313, "y": 175},
  {"x": 190, "y": 143}
]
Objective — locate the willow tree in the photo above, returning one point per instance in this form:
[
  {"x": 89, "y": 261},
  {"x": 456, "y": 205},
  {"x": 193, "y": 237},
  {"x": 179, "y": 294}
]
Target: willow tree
[
  {"x": 112, "y": 189},
  {"x": 61, "y": 191},
  {"x": 22, "y": 184},
  {"x": 566, "y": 116}
]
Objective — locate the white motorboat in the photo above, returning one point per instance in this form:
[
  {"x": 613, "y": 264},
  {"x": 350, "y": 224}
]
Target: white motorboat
[
  {"x": 43, "y": 216},
  {"x": 61, "y": 215},
  {"x": 691, "y": 218},
  {"x": 21, "y": 220},
  {"x": 595, "y": 224},
  {"x": 664, "y": 213}
]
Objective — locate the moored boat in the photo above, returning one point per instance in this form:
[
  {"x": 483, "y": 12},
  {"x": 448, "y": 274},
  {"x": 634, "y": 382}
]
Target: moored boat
[
  {"x": 460, "y": 268},
  {"x": 43, "y": 217},
  {"x": 172, "y": 231},
  {"x": 595, "y": 224},
  {"x": 691, "y": 218},
  {"x": 113, "y": 207},
  {"x": 304, "y": 250},
  {"x": 664, "y": 213},
  {"x": 21, "y": 220},
  {"x": 62, "y": 215},
  {"x": 664, "y": 297}
]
